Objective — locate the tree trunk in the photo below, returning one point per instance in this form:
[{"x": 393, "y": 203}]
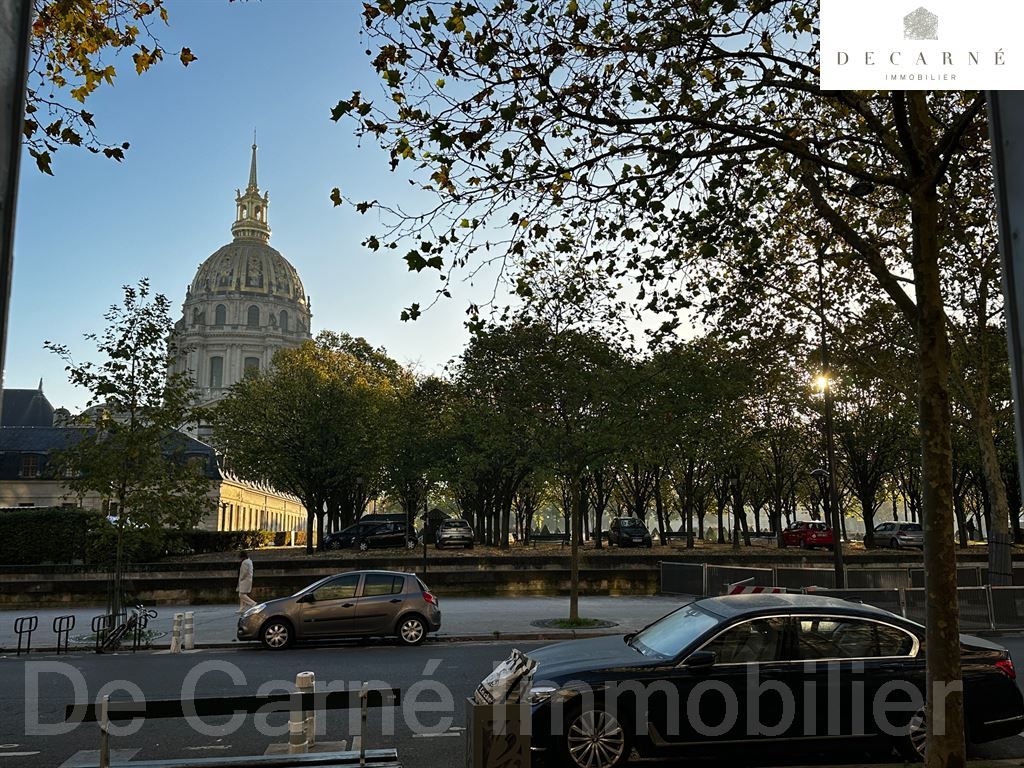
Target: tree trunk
[
  {"x": 688, "y": 504},
  {"x": 867, "y": 506},
  {"x": 944, "y": 716},
  {"x": 1000, "y": 567},
  {"x": 659, "y": 506},
  {"x": 319, "y": 530},
  {"x": 574, "y": 554}
]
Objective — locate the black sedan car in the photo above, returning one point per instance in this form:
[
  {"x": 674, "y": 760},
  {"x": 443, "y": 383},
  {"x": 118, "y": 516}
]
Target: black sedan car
[
  {"x": 629, "y": 532},
  {"x": 757, "y": 671},
  {"x": 372, "y": 535}
]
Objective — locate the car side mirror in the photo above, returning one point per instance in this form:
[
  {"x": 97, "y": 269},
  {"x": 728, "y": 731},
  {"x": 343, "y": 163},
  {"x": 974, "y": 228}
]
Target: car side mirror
[
  {"x": 701, "y": 660},
  {"x": 309, "y": 597}
]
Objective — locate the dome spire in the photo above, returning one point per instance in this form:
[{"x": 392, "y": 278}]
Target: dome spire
[
  {"x": 253, "y": 187},
  {"x": 251, "y": 207}
]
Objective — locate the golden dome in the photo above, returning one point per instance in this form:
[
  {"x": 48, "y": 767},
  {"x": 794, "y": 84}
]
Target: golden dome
[{"x": 248, "y": 267}]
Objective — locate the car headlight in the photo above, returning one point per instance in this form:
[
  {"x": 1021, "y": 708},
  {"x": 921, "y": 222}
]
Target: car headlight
[
  {"x": 254, "y": 610},
  {"x": 541, "y": 693}
]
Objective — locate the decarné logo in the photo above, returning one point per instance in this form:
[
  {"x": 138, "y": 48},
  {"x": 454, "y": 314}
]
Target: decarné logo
[
  {"x": 921, "y": 24},
  {"x": 886, "y": 44}
]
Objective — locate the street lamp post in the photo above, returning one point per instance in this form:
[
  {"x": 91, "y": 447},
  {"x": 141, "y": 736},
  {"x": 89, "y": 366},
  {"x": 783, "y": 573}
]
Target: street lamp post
[{"x": 830, "y": 443}]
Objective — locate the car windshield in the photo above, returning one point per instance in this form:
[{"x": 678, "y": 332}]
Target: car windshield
[
  {"x": 456, "y": 524},
  {"x": 671, "y": 635},
  {"x": 912, "y": 527},
  {"x": 633, "y": 525}
]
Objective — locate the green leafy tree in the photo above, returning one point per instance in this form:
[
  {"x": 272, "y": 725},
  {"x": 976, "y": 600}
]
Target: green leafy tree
[
  {"x": 73, "y": 47},
  {"x": 597, "y": 126},
  {"x": 129, "y": 449},
  {"x": 315, "y": 424}
]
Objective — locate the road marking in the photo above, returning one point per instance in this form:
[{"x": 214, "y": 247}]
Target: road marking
[
  {"x": 17, "y": 754},
  {"x": 210, "y": 746},
  {"x": 91, "y": 757},
  {"x": 434, "y": 735}
]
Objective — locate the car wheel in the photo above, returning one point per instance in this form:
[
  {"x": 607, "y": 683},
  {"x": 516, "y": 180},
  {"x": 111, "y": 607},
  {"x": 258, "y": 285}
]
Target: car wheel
[
  {"x": 594, "y": 739},
  {"x": 277, "y": 634},
  {"x": 911, "y": 745},
  {"x": 893, "y": 544},
  {"x": 410, "y": 544},
  {"x": 363, "y": 546},
  {"x": 412, "y": 630},
  {"x": 470, "y": 545},
  {"x": 804, "y": 544}
]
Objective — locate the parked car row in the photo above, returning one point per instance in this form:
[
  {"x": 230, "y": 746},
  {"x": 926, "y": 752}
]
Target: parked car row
[
  {"x": 810, "y": 534},
  {"x": 622, "y": 532}
]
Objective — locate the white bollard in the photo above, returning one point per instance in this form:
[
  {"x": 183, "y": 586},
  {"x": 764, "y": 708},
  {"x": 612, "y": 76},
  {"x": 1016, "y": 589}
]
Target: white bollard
[
  {"x": 299, "y": 735},
  {"x": 305, "y": 682},
  {"x": 189, "y": 631},
  {"x": 176, "y": 633}
]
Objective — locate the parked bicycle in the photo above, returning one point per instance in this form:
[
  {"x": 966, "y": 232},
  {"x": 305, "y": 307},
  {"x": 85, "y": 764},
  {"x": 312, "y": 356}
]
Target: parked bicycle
[{"x": 136, "y": 622}]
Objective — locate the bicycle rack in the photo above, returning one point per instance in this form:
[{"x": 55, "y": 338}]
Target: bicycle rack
[
  {"x": 62, "y": 626},
  {"x": 140, "y": 626},
  {"x": 25, "y": 625},
  {"x": 101, "y": 626}
]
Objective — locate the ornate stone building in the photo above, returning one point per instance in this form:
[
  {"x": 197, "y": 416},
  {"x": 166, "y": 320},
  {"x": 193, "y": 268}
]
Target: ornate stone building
[{"x": 245, "y": 303}]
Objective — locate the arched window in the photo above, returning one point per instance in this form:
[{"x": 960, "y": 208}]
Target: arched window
[
  {"x": 284, "y": 320},
  {"x": 220, "y": 315},
  {"x": 254, "y": 316},
  {"x": 195, "y": 316},
  {"x": 216, "y": 372},
  {"x": 251, "y": 364}
]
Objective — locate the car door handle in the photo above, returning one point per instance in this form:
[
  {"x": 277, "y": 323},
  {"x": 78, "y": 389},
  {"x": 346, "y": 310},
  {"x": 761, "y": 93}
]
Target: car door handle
[
  {"x": 348, "y": 605},
  {"x": 396, "y": 600}
]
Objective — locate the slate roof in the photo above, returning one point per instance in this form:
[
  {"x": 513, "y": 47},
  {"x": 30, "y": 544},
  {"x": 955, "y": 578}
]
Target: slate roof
[
  {"x": 26, "y": 408},
  {"x": 44, "y": 440}
]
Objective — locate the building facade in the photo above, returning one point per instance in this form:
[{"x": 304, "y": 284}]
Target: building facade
[
  {"x": 245, "y": 303},
  {"x": 29, "y": 478}
]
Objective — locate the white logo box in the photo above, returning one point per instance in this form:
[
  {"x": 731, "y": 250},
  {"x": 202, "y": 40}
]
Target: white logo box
[{"x": 914, "y": 45}]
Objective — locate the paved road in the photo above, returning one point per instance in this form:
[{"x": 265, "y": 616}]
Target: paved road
[
  {"x": 160, "y": 675},
  {"x": 461, "y": 616}
]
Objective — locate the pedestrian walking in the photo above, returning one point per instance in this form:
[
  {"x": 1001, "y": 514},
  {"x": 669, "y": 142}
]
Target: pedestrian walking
[{"x": 244, "y": 582}]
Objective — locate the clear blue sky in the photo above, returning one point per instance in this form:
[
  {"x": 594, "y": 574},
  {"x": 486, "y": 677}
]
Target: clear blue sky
[{"x": 97, "y": 224}]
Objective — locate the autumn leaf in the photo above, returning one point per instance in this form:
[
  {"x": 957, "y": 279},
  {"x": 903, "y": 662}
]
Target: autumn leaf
[{"x": 186, "y": 56}]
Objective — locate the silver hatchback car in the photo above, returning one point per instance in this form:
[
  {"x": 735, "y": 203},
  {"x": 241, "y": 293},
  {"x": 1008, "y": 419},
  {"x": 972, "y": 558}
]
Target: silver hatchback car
[
  {"x": 353, "y": 604},
  {"x": 897, "y": 535},
  {"x": 454, "y": 533}
]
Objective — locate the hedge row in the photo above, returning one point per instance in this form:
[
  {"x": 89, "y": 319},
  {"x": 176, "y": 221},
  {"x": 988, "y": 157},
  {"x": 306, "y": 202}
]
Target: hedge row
[
  {"x": 31, "y": 536},
  {"x": 65, "y": 535},
  {"x": 203, "y": 542}
]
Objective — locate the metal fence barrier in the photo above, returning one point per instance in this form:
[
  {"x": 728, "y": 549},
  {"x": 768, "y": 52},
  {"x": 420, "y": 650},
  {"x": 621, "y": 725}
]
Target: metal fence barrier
[
  {"x": 1007, "y": 607},
  {"x": 966, "y": 576},
  {"x": 981, "y": 607},
  {"x": 877, "y": 578},
  {"x": 719, "y": 577},
  {"x": 682, "y": 579},
  {"x": 795, "y": 579}
]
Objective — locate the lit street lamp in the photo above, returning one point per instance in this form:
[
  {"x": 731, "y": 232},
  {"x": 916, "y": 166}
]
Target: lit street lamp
[{"x": 823, "y": 381}]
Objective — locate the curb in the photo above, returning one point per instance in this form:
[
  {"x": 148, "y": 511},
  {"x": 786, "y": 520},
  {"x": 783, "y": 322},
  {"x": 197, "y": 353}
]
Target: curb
[{"x": 519, "y": 637}]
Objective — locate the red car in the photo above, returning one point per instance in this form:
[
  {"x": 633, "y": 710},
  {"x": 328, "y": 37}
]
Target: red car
[{"x": 808, "y": 534}]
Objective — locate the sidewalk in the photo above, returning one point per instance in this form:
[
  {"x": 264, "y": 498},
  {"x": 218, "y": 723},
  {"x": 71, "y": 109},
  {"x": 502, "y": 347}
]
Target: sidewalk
[{"x": 463, "y": 619}]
